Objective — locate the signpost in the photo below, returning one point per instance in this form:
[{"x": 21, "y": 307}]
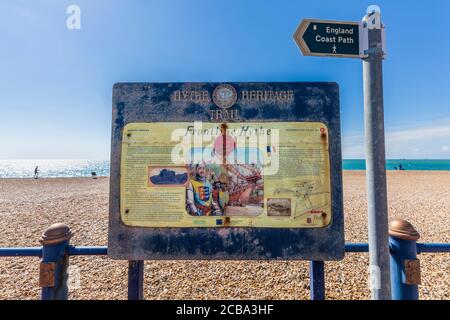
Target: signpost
[
  {"x": 327, "y": 38},
  {"x": 247, "y": 170},
  {"x": 363, "y": 40}
]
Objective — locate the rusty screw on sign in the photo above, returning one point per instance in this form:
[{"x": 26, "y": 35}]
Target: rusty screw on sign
[{"x": 323, "y": 133}]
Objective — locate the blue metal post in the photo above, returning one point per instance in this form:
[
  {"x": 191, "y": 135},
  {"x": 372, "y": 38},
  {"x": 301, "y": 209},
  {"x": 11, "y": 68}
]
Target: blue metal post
[
  {"x": 405, "y": 268},
  {"x": 433, "y": 247},
  {"x": 21, "y": 252},
  {"x": 135, "y": 280},
  {"x": 356, "y": 247},
  {"x": 317, "y": 280},
  {"x": 55, "y": 261},
  {"x": 87, "y": 251}
]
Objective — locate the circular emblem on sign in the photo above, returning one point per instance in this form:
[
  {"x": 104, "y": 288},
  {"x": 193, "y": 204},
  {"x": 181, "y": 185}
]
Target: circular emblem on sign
[{"x": 224, "y": 96}]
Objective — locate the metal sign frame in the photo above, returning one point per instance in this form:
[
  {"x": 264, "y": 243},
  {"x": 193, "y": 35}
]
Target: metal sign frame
[{"x": 150, "y": 102}]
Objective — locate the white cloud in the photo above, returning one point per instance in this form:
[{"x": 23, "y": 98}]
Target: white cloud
[
  {"x": 425, "y": 141},
  {"x": 418, "y": 134}
]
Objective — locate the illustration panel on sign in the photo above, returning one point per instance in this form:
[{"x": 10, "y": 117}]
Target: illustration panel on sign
[{"x": 196, "y": 174}]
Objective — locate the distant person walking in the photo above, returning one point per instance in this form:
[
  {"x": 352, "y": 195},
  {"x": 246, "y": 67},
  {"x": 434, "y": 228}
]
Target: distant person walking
[{"x": 36, "y": 172}]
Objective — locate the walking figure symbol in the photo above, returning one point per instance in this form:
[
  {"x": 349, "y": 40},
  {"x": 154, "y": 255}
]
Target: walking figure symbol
[{"x": 334, "y": 48}]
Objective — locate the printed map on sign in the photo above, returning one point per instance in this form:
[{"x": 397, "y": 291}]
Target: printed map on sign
[{"x": 258, "y": 174}]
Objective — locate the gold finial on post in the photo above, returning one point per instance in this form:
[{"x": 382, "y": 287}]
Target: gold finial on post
[
  {"x": 56, "y": 233},
  {"x": 402, "y": 229}
]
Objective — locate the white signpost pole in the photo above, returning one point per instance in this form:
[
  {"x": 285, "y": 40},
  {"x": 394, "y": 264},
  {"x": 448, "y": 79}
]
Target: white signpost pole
[
  {"x": 315, "y": 38},
  {"x": 380, "y": 284}
]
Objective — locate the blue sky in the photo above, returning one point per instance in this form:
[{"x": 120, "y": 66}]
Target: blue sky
[{"x": 56, "y": 83}]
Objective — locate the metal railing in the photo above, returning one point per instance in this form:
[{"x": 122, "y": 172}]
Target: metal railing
[{"x": 56, "y": 250}]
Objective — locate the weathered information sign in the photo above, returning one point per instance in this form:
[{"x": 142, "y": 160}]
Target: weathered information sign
[{"x": 226, "y": 171}]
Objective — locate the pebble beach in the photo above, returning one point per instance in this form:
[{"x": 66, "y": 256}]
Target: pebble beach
[{"x": 28, "y": 207}]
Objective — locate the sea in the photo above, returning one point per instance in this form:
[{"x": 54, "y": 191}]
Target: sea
[{"x": 55, "y": 168}]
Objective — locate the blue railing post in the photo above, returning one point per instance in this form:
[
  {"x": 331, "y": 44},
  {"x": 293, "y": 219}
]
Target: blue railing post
[
  {"x": 316, "y": 280},
  {"x": 405, "y": 267},
  {"x": 55, "y": 261},
  {"x": 135, "y": 280}
]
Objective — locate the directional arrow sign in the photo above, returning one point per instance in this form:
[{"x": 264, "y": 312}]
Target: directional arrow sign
[{"x": 328, "y": 38}]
